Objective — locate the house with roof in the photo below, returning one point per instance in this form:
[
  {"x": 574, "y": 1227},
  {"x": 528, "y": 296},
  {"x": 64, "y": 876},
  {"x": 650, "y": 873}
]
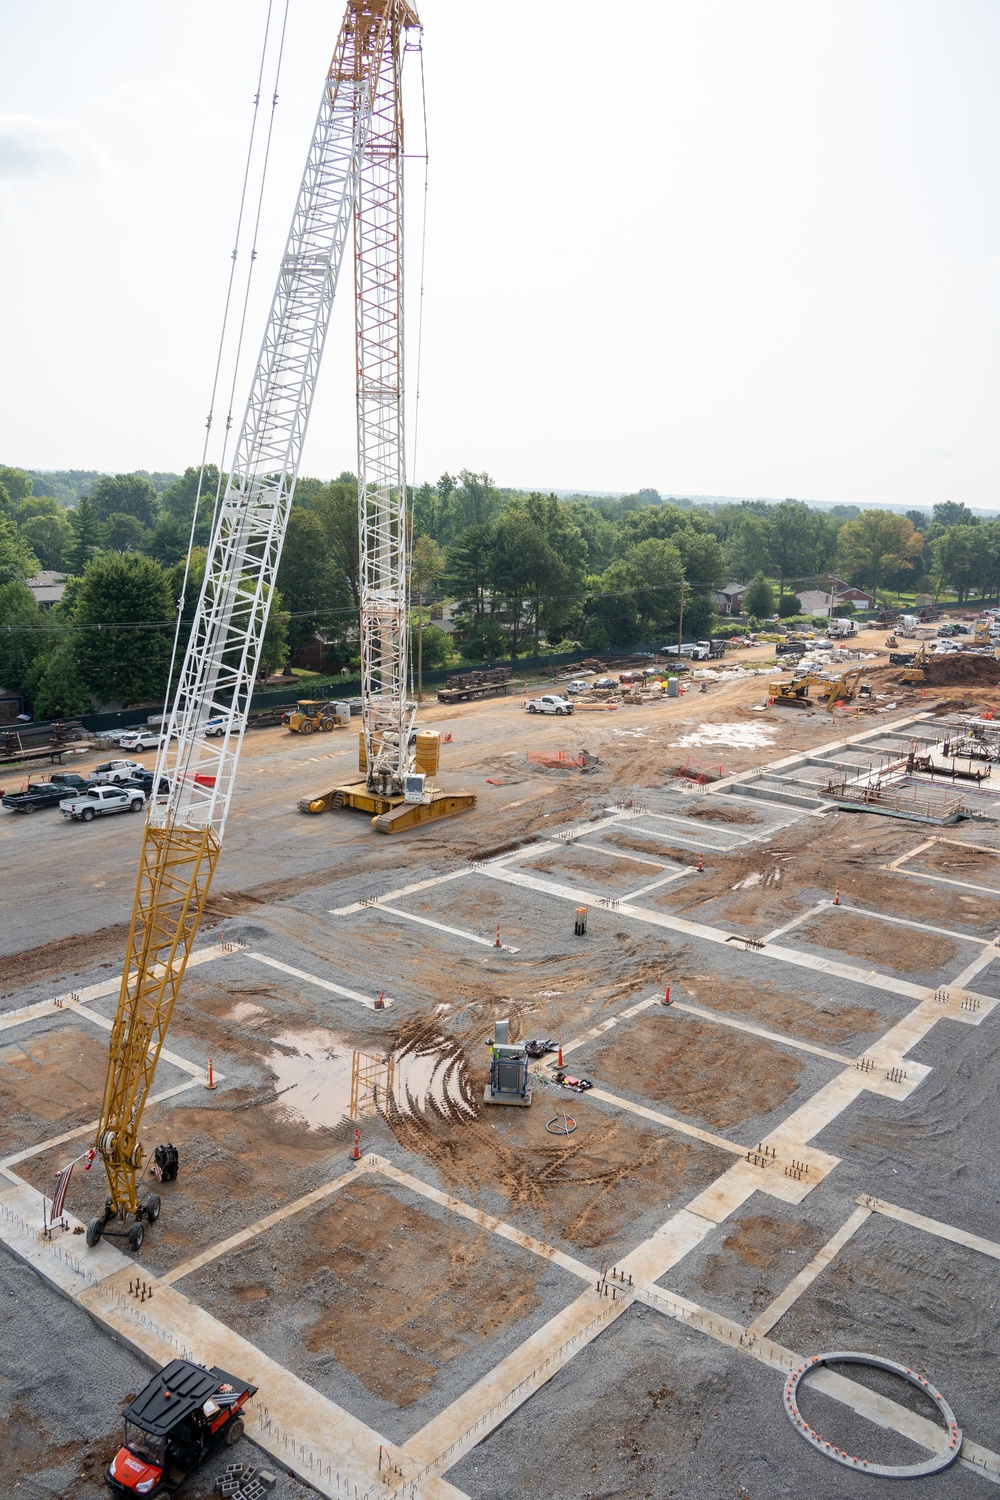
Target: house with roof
[
  {"x": 729, "y": 601},
  {"x": 819, "y": 598},
  {"x": 48, "y": 587}
]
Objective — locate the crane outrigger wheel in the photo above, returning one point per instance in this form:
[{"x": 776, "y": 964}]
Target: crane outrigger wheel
[{"x": 349, "y": 208}]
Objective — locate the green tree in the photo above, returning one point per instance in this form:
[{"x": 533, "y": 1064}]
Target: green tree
[
  {"x": 469, "y": 570},
  {"x": 58, "y": 689},
  {"x": 598, "y": 534},
  {"x": 959, "y": 557},
  {"x": 438, "y": 647},
  {"x": 476, "y": 502},
  {"x": 123, "y": 626},
  {"x": 50, "y": 537},
  {"x": 88, "y": 536},
  {"x": 124, "y": 532},
  {"x": 648, "y": 581},
  {"x": 16, "y": 483},
  {"x": 946, "y": 513},
  {"x": 560, "y": 582},
  {"x": 337, "y": 510},
  {"x": 796, "y": 541},
  {"x": 877, "y": 541},
  {"x": 426, "y": 567},
  {"x": 748, "y": 546},
  {"x": 17, "y": 560},
  {"x": 125, "y": 494},
  {"x": 758, "y": 600},
  {"x": 306, "y": 490},
  {"x": 21, "y": 636},
  {"x": 171, "y": 535},
  {"x": 274, "y": 646},
  {"x": 520, "y": 558},
  {"x": 313, "y": 588}
]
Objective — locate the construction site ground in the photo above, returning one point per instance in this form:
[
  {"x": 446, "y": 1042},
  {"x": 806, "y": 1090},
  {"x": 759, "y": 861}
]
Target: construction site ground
[{"x": 601, "y": 1294}]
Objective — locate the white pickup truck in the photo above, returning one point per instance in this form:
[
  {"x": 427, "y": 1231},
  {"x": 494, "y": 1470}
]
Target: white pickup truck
[
  {"x": 550, "y": 703},
  {"x": 100, "y": 800}
]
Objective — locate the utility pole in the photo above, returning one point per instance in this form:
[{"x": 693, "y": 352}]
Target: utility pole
[{"x": 680, "y": 624}]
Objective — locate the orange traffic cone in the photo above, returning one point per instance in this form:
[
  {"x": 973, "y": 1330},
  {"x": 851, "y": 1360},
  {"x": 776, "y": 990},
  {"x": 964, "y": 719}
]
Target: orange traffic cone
[{"x": 356, "y": 1153}]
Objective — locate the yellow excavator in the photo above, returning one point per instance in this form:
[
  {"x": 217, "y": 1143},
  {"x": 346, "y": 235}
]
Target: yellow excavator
[
  {"x": 794, "y": 693},
  {"x": 915, "y": 673}
]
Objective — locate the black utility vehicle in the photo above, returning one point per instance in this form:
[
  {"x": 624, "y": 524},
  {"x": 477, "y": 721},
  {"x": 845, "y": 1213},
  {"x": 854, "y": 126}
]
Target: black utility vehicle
[{"x": 184, "y": 1413}]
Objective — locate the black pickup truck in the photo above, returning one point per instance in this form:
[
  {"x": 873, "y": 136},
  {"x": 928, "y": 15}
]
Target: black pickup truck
[
  {"x": 45, "y": 793},
  {"x": 144, "y": 781}
]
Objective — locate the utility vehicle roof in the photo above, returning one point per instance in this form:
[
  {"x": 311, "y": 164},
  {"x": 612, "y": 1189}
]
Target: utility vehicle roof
[{"x": 179, "y": 1389}]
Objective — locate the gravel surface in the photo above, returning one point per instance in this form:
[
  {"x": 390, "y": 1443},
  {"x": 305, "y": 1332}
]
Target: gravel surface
[
  {"x": 653, "y": 1412},
  {"x": 63, "y": 1384}
]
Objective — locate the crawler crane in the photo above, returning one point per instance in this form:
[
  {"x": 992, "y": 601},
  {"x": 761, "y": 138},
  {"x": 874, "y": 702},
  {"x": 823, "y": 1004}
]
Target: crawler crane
[{"x": 352, "y": 180}]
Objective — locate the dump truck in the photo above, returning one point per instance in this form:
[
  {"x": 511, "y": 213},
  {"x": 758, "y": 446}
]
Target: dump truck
[
  {"x": 186, "y": 1412},
  {"x": 310, "y": 714}
]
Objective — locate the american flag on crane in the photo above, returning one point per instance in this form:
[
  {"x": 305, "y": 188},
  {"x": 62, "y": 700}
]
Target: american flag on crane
[{"x": 59, "y": 1196}]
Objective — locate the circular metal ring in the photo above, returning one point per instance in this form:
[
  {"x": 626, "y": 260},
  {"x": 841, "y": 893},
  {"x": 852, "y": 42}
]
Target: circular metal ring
[{"x": 932, "y": 1465}]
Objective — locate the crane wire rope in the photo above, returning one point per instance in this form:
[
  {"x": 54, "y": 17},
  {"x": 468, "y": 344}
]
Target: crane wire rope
[
  {"x": 191, "y": 748},
  {"x": 222, "y": 340},
  {"x": 253, "y": 262},
  {"x": 410, "y": 507},
  {"x": 423, "y": 264}
]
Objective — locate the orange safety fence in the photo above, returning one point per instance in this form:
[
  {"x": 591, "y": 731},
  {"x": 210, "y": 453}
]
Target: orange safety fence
[
  {"x": 701, "y": 774},
  {"x": 561, "y": 761}
]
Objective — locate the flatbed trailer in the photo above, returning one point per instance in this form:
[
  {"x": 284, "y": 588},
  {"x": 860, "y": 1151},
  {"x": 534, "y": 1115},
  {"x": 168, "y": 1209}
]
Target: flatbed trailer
[{"x": 464, "y": 691}]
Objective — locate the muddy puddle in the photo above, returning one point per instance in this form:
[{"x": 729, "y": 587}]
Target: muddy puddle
[{"x": 322, "y": 1080}]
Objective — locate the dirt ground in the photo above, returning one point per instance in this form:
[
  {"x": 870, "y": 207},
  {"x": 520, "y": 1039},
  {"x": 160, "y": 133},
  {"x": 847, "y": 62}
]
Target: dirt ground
[
  {"x": 49, "y": 1080},
  {"x": 785, "y": 1010},
  {"x": 393, "y": 1292},
  {"x": 757, "y": 889},
  {"x": 600, "y": 872},
  {"x": 981, "y": 866},
  {"x": 711, "y": 1072},
  {"x": 751, "y": 1260},
  {"x": 912, "y": 951}
]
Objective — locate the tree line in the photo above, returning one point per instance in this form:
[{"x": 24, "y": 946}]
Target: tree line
[{"x": 522, "y": 571}]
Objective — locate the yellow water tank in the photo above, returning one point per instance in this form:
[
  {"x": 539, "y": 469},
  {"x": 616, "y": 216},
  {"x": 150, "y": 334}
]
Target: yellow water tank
[{"x": 428, "y": 751}]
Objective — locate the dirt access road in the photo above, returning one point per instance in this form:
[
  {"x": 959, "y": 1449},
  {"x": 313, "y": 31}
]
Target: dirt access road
[{"x": 67, "y": 887}]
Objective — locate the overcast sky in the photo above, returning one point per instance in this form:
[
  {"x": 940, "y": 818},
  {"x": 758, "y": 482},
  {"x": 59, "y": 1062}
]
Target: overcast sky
[{"x": 745, "y": 247}]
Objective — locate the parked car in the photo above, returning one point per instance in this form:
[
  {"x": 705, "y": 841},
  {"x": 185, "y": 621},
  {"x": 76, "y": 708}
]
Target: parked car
[
  {"x": 550, "y": 703},
  {"x": 141, "y": 739},
  {"x": 98, "y": 801},
  {"x": 217, "y": 727},
  {"x": 604, "y": 682},
  {"x": 116, "y": 770},
  {"x": 578, "y": 686}
]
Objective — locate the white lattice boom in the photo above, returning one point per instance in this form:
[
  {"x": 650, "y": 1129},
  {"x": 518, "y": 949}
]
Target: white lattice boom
[{"x": 352, "y": 173}]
